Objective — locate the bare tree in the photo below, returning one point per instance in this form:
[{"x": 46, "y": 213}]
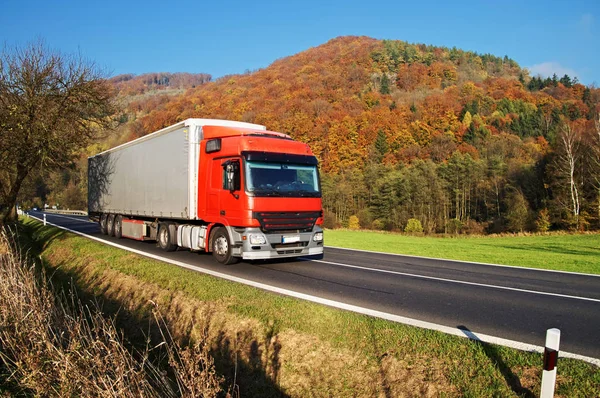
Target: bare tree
[
  {"x": 51, "y": 106},
  {"x": 567, "y": 162}
]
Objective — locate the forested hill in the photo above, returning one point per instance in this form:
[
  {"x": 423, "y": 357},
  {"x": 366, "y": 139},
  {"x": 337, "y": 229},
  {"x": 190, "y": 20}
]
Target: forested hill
[
  {"x": 339, "y": 97},
  {"x": 457, "y": 141},
  {"x": 460, "y": 141}
]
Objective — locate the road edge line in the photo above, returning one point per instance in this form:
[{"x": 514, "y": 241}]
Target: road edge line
[{"x": 483, "y": 338}]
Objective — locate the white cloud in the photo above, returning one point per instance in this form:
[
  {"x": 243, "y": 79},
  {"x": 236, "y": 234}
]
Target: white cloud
[{"x": 547, "y": 69}]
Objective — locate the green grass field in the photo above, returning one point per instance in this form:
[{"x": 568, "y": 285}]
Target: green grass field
[
  {"x": 298, "y": 348},
  {"x": 574, "y": 253}
]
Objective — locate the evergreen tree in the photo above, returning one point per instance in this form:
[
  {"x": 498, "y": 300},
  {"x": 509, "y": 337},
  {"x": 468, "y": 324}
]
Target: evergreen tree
[
  {"x": 381, "y": 146},
  {"x": 566, "y": 81},
  {"x": 517, "y": 211},
  {"x": 385, "y": 84}
]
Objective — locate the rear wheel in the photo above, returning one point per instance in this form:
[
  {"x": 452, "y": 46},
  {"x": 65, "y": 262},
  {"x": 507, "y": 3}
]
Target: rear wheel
[
  {"x": 166, "y": 233},
  {"x": 103, "y": 220},
  {"x": 221, "y": 247},
  {"x": 110, "y": 225},
  {"x": 118, "y": 227}
]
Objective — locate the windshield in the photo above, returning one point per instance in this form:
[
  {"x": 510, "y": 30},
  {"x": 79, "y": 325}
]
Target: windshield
[{"x": 279, "y": 179}]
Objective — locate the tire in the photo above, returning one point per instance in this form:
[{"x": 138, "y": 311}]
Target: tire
[
  {"x": 221, "y": 247},
  {"x": 103, "y": 227},
  {"x": 166, "y": 233},
  {"x": 110, "y": 225},
  {"x": 118, "y": 227}
]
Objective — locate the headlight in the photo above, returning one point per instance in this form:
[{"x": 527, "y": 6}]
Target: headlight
[
  {"x": 257, "y": 239},
  {"x": 318, "y": 237}
]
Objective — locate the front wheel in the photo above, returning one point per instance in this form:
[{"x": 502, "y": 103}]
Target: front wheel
[{"x": 221, "y": 247}]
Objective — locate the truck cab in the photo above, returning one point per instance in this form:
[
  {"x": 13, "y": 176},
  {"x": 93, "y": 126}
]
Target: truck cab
[{"x": 263, "y": 188}]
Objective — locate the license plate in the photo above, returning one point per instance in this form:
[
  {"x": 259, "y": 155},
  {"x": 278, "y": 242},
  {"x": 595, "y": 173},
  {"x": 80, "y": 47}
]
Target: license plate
[{"x": 290, "y": 239}]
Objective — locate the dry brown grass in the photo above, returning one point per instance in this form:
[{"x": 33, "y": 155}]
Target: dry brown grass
[
  {"x": 52, "y": 345},
  {"x": 297, "y": 364}
]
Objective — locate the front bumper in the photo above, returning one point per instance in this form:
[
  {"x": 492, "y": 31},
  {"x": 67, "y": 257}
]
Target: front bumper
[{"x": 277, "y": 245}]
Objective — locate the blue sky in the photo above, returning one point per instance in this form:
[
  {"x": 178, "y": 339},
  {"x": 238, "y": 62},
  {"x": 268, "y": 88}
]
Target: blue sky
[{"x": 229, "y": 37}]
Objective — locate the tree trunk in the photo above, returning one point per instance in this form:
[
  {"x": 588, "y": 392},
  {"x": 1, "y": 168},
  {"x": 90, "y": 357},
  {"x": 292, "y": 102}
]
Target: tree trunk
[
  {"x": 8, "y": 213},
  {"x": 570, "y": 145}
]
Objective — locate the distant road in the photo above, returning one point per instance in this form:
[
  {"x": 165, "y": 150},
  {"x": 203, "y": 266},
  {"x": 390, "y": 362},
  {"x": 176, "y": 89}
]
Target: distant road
[{"x": 506, "y": 305}]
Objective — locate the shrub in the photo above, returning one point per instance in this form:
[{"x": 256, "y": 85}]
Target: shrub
[
  {"x": 330, "y": 220},
  {"x": 454, "y": 226},
  {"x": 353, "y": 223},
  {"x": 366, "y": 218},
  {"x": 542, "y": 222},
  {"x": 378, "y": 224},
  {"x": 413, "y": 226},
  {"x": 472, "y": 227}
]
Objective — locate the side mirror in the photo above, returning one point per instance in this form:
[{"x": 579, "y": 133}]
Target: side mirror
[{"x": 232, "y": 175}]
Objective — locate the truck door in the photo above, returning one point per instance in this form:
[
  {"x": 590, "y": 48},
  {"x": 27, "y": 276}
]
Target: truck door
[{"x": 225, "y": 196}]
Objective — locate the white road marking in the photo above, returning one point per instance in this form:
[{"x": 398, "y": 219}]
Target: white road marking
[
  {"x": 348, "y": 307},
  {"x": 457, "y": 281},
  {"x": 468, "y": 262},
  {"x": 70, "y": 218}
]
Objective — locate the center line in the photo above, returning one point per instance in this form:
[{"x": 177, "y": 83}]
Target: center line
[{"x": 459, "y": 282}]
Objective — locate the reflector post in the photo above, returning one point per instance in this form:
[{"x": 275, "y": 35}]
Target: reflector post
[{"x": 550, "y": 362}]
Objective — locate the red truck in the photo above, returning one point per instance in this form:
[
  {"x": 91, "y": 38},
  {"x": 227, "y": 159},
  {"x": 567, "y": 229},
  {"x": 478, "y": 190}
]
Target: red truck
[{"x": 231, "y": 188}]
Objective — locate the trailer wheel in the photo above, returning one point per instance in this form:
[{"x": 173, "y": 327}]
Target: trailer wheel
[
  {"x": 221, "y": 247},
  {"x": 166, "y": 233},
  {"x": 118, "y": 227},
  {"x": 103, "y": 227},
  {"x": 110, "y": 225}
]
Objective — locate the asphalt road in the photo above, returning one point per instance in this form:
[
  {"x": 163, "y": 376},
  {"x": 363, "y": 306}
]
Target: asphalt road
[{"x": 507, "y": 302}]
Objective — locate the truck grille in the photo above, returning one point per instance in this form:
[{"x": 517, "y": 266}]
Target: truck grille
[{"x": 286, "y": 221}]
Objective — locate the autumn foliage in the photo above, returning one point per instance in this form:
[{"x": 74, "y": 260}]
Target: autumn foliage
[{"x": 451, "y": 138}]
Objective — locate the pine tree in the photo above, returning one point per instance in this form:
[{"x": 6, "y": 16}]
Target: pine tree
[
  {"x": 385, "y": 84},
  {"x": 381, "y": 146}
]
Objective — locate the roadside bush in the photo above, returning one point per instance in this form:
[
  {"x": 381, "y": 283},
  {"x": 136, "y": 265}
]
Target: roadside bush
[
  {"x": 366, "y": 218},
  {"x": 472, "y": 227},
  {"x": 330, "y": 220},
  {"x": 353, "y": 223},
  {"x": 454, "y": 226},
  {"x": 413, "y": 226},
  {"x": 378, "y": 224},
  {"x": 542, "y": 223}
]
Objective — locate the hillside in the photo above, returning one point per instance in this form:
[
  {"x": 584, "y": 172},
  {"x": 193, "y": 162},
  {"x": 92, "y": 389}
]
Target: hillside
[
  {"x": 339, "y": 96},
  {"x": 460, "y": 141}
]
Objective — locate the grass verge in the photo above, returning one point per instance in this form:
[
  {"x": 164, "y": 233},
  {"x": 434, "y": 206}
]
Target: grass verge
[
  {"x": 564, "y": 252},
  {"x": 270, "y": 345}
]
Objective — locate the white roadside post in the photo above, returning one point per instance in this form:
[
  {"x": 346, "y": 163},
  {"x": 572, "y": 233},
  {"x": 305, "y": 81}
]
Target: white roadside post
[
  {"x": 44, "y": 220},
  {"x": 550, "y": 361}
]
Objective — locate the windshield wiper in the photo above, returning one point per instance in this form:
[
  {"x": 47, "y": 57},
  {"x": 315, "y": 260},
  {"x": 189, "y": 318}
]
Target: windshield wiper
[
  {"x": 305, "y": 192},
  {"x": 267, "y": 192}
]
